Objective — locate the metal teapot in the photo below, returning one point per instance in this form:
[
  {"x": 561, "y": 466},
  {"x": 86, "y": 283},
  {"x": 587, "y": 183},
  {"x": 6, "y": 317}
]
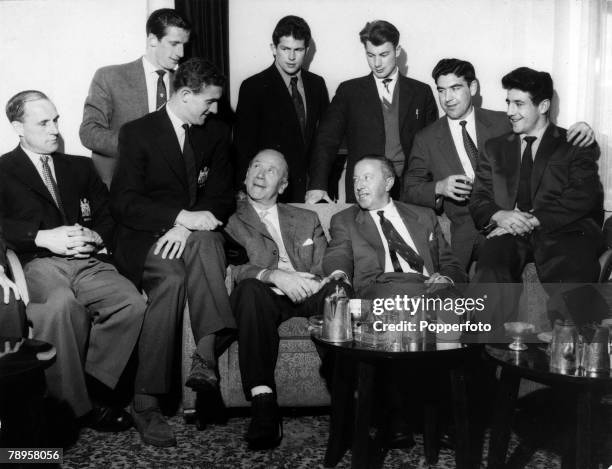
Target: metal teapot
[
  {"x": 563, "y": 347},
  {"x": 337, "y": 325}
]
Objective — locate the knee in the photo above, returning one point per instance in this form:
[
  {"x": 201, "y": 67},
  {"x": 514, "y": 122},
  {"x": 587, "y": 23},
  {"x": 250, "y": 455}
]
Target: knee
[
  {"x": 205, "y": 239},
  {"x": 61, "y": 304},
  {"x": 246, "y": 297}
]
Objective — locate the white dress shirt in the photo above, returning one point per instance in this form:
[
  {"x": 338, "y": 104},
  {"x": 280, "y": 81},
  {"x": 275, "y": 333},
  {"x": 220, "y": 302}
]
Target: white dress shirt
[
  {"x": 394, "y": 217},
  {"x": 455, "y": 128},
  {"x": 382, "y": 90},
  {"x": 35, "y": 158},
  {"x": 536, "y": 143},
  {"x": 151, "y": 78},
  {"x": 177, "y": 125}
]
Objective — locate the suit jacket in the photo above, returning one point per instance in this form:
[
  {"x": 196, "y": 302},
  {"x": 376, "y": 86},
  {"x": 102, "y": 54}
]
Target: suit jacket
[
  {"x": 301, "y": 232},
  {"x": 26, "y": 205},
  {"x": 266, "y": 118},
  {"x": 117, "y": 94},
  {"x": 357, "y": 249},
  {"x": 356, "y": 113},
  {"x": 566, "y": 192},
  {"x": 150, "y": 186},
  {"x": 434, "y": 157}
]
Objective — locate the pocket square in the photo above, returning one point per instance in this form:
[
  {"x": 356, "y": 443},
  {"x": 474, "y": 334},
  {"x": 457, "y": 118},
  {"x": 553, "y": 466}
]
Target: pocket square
[{"x": 308, "y": 242}]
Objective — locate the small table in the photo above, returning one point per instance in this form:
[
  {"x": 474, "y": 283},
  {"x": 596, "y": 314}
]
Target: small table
[
  {"x": 533, "y": 364},
  {"x": 365, "y": 358}
]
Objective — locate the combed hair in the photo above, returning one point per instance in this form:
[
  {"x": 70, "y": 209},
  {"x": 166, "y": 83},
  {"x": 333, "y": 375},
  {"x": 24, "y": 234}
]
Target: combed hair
[
  {"x": 386, "y": 165},
  {"x": 378, "y": 32},
  {"x": 458, "y": 67},
  {"x": 15, "y": 108},
  {"x": 164, "y": 18},
  {"x": 196, "y": 73},
  {"x": 538, "y": 84},
  {"x": 293, "y": 26}
]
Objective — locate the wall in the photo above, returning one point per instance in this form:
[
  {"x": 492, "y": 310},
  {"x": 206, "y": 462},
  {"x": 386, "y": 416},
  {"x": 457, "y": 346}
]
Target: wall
[{"x": 502, "y": 35}]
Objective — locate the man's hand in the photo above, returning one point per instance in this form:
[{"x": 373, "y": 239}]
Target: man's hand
[
  {"x": 7, "y": 285},
  {"x": 197, "y": 221},
  {"x": 296, "y": 285},
  {"x": 437, "y": 282},
  {"x": 312, "y": 197},
  {"x": 580, "y": 134},
  {"x": 91, "y": 242},
  {"x": 515, "y": 222},
  {"x": 172, "y": 244},
  {"x": 63, "y": 240},
  {"x": 499, "y": 231},
  {"x": 454, "y": 187}
]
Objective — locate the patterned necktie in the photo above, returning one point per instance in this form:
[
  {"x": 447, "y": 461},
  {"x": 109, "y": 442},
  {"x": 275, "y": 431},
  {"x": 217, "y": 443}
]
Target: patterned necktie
[
  {"x": 298, "y": 104},
  {"x": 468, "y": 143},
  {"x": 162, "y": 95},
  {"x": 387, "y": 99},
  {"x": 397, "y": 245},
  {"x": 523, "y": 198},
  {"x": 190, "y": 169},
  {"x": 49, "y": 181}
]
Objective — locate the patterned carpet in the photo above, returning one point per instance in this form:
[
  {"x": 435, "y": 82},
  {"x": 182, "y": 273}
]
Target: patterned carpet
[{"x": 222, "y": 446}]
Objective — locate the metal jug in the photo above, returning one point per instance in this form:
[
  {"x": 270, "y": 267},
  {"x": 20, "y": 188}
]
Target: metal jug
[
  {"x": 337, "y": 325},
  {"x": 563, "y": 347},
  {"x": 595, "y": 358}
]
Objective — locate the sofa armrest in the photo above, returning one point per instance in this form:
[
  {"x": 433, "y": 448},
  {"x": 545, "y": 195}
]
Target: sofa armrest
[{"x": 18, "y": 276}]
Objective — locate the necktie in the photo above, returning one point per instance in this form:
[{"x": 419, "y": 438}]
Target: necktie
[
  {"x": 523, "y": 198},
  {"x": 190, "y": 169},
  {"x": 298, "y": 104},
  {"x": 49, "y": 181},
  {"x": 282, "y": 253},
  {"x": 468, "y": 143},
  {"x": 162, "y": 95},
  {"x": 397, "y": 245},
  {"x": 387, "y": 98}
]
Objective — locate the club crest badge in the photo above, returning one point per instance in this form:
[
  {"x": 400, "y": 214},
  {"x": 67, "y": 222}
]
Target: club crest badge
[
  {"x": 203, "y": 176},
  {"x": 85, "y": 210}
]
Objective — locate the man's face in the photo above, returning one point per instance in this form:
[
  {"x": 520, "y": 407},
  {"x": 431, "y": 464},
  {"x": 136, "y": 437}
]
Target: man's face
[
  {"x": 39, "y": 131},
  {"x": 525, "y": 116},
  {"x": 370, "y": 186},
  {"x": 289, "y": 54},
  {"x": 169, "y": 49},
  {"x": 455, "y": 95},
  {"x": 266, "y": 177},
  {"x": 197, "y": 106},
  {"x": 382, "y": 59}
]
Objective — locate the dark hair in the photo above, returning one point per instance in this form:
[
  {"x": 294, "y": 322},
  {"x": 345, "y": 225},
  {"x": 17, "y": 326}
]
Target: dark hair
[
  {"x": 196, "y": 73},
  {"x": 292, "y": 26},
  {"x": 162, "y": 19},
  {"x": 15, "y": 108},
  {"x": 538, "y": 84},
  {"x": 461, "y": 68},
  {"x": 385, "y": 163},
  {"x": 378, "y": 32}
]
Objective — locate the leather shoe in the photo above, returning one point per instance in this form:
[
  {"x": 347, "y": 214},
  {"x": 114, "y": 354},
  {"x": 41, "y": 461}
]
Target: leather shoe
[
  {"x": 266, "y": 427},
  {"x": 153, "y": 428},
  {"x": 202, "y": 376},
  {"x": 400, "y": 434},
  {"x": 109, "y": 419}
]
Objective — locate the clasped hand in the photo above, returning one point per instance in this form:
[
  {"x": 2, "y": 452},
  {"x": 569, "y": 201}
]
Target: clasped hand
[
  {"x": 514, "y": 222},
  {"x": 75, "y": 241}
]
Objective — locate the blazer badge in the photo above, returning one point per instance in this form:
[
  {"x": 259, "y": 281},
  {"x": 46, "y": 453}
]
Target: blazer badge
[
  {"x": 203, "y": 176},
  {"x": 85, "y": 210}
]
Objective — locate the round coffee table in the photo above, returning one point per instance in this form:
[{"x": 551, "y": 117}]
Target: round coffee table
[
  {"x": 534, "y": 364},
  {"x": 354, "y": 355}
]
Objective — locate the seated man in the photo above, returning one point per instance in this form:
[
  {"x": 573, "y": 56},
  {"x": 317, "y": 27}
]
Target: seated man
[
  {"x": 55, "y": 215},
  {"x": 538, "y": 198},
  {"x": 285, "y": 246},
  {"x": 171, "y": 191}
]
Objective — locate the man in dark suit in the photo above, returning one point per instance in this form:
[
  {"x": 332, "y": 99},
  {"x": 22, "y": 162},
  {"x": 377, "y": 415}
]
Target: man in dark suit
[
  {"x": 171, "y": 191},
  {"x": 285, "y": 246},
  {"x": 122, "y": 93},
  {"x": 55, "y": 216},
  {"x": 442, "y": 163},
  {"x": 378, "y": 114},
  {"x": 538, "y": 198},
  {"x": 281, "y": 106}
]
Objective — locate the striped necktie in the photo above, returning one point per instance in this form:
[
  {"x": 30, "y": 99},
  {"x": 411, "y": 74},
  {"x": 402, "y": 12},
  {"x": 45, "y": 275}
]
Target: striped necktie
[{"x": 49, "y": 181}]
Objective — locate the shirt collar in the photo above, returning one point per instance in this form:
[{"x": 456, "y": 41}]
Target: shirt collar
[
  {"x": 286, "y": 77},
  {"x": 272, "y": 210},
  {"x": 35, "y": 157},
  {"x": 393, "y": 76},
  {"x": 537, "y": 135},
  {"x": 390, "y": 207},
  {"x": 470, "y": 119},
  {"x": 149, "y": 68},
  {"x": 176, "y": 122}
]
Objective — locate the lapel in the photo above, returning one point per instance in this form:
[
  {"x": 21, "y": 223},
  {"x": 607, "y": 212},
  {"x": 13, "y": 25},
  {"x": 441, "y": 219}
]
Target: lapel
[
  {"x": 168, "y": 144},
  {"x": 510, "y": 166},
  {"x": 24, "y": 170},
  {"x": 446, "y": 145},
  {"x": 371, "y": 101},
  {"x": 247, "y": 215},
  {"x": 283, "y": 96},
  {"x": 310, "y": 92},
  {"x": 288, "y": 225},
  {"x": 418, "y": 233},
  {"x": 405, "y": 98},
  {"x": 551, "y": 139},
  {"x": 139, "y": 83},
  {"x": 67, "y": 187},
  {"x": 483, "y": 128},
  {"x": 369, "y": 231}
]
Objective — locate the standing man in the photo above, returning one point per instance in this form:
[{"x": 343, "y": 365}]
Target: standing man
[
  {"x": 537, "y": 197},
  {"x": 378, "y": 114},
  {"x": 172, "y": 190},
  {"x": 442, "y": 163},
  {"x": 55, "y": 215},
  {"x": 281, "y": 107},
  {"x": 122, "y": 93},
  {"x": 285, "y": 246}
]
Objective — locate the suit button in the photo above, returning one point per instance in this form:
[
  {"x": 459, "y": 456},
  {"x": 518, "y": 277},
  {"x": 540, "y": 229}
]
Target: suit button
[{"x": 275, "y": 252}]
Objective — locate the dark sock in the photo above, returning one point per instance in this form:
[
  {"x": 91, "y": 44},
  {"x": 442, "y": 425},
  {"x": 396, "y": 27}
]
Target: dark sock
[
  {"x": 206, "y": 348},
  {"x": 143, "y": 402}
]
